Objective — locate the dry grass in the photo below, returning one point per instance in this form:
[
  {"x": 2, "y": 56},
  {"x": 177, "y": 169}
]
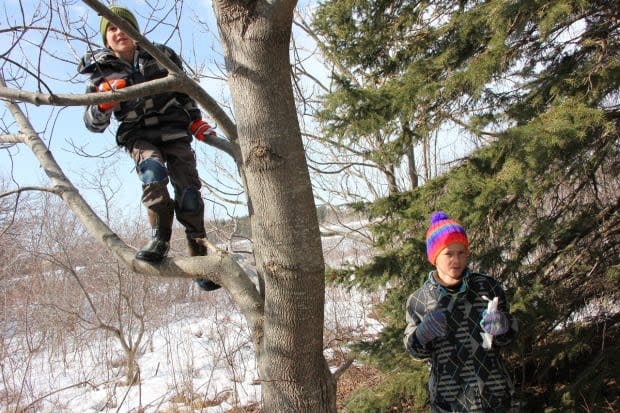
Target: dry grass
[{"x": 353, "y": 378}]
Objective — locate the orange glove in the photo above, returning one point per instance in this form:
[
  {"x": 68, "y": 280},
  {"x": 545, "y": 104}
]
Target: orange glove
[
  {"x": 107, "y": 86},
  {"x": 201, "y": 129}
]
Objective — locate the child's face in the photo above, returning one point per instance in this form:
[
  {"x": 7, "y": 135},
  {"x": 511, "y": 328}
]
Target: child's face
[
  {"x": 121, "y": 44},
  {"x": 451, "y": 263}
]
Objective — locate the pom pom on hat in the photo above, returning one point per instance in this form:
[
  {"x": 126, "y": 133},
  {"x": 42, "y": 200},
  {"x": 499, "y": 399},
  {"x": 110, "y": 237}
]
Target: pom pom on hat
[
  {"x": 120, "y": 12},
  {"x": 442, "y": 232}
]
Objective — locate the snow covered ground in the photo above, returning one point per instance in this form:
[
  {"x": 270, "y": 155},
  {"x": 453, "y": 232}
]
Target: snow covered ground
[{"x": 200, "y": 360}]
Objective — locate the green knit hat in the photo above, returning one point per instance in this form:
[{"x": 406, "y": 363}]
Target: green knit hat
[{"x": 120, "y": 12}]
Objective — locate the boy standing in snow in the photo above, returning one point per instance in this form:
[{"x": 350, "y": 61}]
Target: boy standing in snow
[
  {"x": 156, "y": 131},
  {"x": 450, "y": 322}
]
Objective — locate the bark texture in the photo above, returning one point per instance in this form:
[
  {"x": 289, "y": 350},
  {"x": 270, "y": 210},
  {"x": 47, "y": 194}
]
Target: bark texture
[{"x": 294, "y": 374}]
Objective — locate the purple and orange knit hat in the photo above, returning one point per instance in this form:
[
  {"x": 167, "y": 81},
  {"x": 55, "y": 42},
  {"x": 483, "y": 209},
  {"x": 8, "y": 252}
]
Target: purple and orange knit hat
[{"x": 443, "y": 232}]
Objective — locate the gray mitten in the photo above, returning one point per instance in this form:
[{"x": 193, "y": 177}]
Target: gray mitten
[{"x": 433, "y": 325}]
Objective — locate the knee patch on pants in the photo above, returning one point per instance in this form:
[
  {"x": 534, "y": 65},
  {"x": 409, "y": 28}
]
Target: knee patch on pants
[
  {"x": 190, "y": 201},
  {"x": 151, "y": 170}
]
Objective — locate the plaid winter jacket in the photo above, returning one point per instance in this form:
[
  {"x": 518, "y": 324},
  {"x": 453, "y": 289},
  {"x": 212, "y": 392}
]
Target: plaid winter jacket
[
  {"x": 464, "y": 377},
  {"x": 159, "y": 118}
]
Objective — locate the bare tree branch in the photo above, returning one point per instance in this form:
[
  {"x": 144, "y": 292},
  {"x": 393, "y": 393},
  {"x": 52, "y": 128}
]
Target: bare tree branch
[
  {"x": 342, "y": 368},
  {"x": 28, "y": 188},
  {"x": 170, "y": 82},
  {"x": 11, "y": 138}
]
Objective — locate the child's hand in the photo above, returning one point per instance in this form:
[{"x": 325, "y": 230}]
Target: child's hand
[
  {"x": 494, "y": 322},
  {"x": 107, "y": 86},
  {"x": 202, "y": 130},
  {"x": 433, "y": 325}
]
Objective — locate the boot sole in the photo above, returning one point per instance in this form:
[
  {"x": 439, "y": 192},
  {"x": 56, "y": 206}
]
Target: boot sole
[{"x": 142, "y": 256}]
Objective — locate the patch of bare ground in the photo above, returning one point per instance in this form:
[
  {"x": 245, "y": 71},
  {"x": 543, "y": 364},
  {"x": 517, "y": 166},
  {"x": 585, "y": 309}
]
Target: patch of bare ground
[
  {"x": 251, "y": 408},
  {"x": 354, "y": 377}
]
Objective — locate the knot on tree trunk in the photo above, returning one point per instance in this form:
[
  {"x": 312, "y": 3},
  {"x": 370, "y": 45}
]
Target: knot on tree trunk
[{"x": 263, "y": 158}]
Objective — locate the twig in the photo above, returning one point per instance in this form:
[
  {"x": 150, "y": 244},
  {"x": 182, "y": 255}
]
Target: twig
[
  {"x": 30, "y": 188},
  {"x": 340, "y": 370},
  {"x": 34, "y": 402}
]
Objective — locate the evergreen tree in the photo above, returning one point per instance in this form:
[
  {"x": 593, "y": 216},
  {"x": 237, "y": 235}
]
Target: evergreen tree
[
  {"x": 538, "y": 80},
  {"x": 363, "y": 115}
]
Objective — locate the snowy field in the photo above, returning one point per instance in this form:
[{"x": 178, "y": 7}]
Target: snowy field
[{"x": 200, "y": 359}]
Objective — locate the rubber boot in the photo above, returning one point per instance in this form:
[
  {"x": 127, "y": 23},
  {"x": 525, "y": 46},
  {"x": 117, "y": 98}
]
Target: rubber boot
[
  {"x": 159, "y": 245},
  {"x": 196, "y": 249}
]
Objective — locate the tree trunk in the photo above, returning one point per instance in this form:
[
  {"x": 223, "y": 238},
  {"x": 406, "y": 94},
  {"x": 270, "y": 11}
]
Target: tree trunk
[
  {"x": 412, "y": 168},
  {"x": 294, "y": 374},
  {"x": 390, "y": 175}
]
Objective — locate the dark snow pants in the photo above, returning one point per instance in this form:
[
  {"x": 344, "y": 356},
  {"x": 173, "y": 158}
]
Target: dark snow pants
[{"x": 175, "y": 162}]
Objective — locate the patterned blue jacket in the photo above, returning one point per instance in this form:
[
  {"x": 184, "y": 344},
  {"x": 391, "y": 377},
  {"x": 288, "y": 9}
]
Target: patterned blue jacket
[{"x": 464, "y": 376}]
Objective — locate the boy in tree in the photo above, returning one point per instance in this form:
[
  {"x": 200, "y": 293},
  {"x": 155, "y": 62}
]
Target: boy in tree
[
  {"x": 156, "y": 131},
  {"x": 450, "y": 322}
]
